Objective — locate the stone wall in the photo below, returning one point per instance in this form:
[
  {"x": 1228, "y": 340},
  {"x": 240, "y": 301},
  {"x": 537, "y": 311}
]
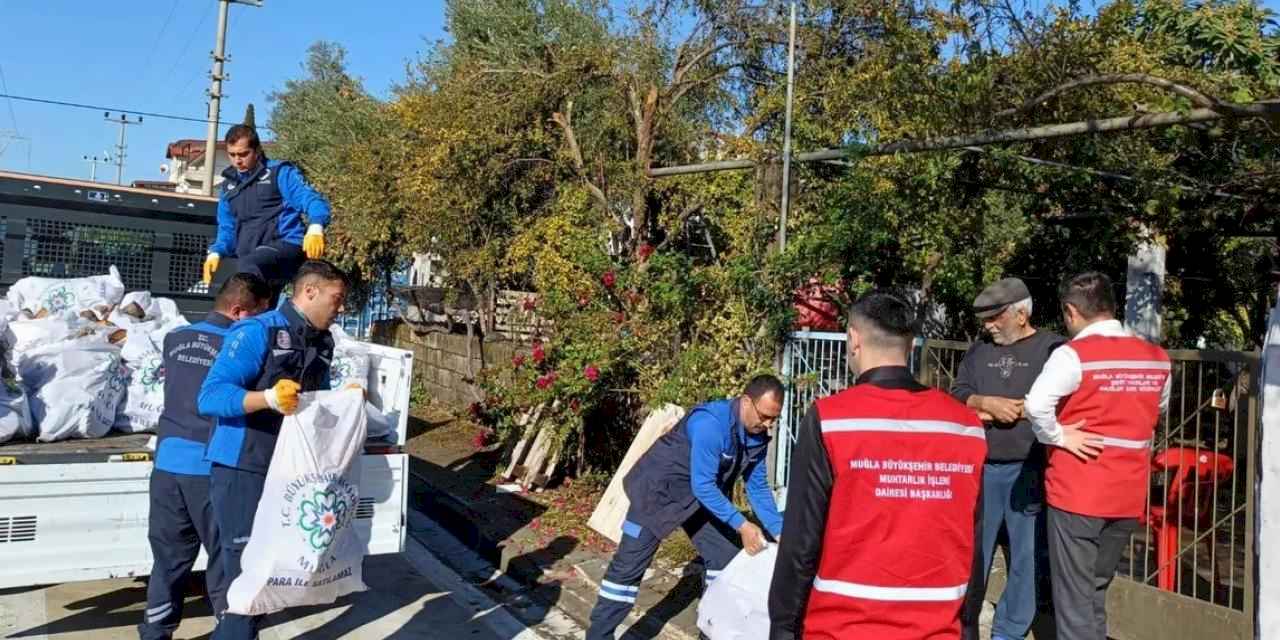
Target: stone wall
[{"x": 440, "y": 365}]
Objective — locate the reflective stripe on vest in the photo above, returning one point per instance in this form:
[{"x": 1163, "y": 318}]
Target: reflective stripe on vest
[
  {"x": 902, "y": 426},
  {"x": 890, "y": 594},
  {"x": 1099, "y": 365},
  {"x": 1125, "y": 444}
]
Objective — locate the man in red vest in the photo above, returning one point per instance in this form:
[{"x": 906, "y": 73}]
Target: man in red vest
[
  {"x": 883, "y": 512},
  {"x": 1096, "y": 403}
]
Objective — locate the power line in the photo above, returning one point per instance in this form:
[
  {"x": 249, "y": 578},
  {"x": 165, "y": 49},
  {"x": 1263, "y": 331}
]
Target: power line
[
  {"x": 155, "y": 46},
  {"x": 186, "y": 46},
  {"x": 149, "y": 114},
  {"x": 4, "y": 86}
]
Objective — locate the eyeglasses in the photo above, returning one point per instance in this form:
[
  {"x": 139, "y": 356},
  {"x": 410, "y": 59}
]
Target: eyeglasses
[{"x": 764, "y": 418}]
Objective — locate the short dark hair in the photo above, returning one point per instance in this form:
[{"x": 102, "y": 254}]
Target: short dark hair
[
  {"x": 762, "y": 385},
  {"x": 241, "y": 132},
  {"x": 884, "y": 320},
  {"x": 323, "y": 270},
  {"x": 1090, "y": 293},
  {"x": 246, "y": 290}
]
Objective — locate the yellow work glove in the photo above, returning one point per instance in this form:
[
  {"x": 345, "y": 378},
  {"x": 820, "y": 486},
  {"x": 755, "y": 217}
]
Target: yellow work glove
[
  {"x": 313, "y": 242},
  {"x": 283, "y": 397},
  {"x": 210, "y": 267}
]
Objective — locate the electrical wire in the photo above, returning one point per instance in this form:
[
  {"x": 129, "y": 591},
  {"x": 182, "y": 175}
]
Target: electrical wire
[{"x": 149, "y": 114}]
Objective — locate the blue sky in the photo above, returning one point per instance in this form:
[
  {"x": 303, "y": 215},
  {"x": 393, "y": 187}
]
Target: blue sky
[{"x": 153, "y": 55}]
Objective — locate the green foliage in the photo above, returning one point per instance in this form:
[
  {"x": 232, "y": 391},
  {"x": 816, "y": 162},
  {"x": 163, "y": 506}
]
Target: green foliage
[{"x": 518, "y": 152}]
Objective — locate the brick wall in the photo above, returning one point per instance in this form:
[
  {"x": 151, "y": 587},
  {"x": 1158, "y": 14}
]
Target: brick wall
[{"x": 440, "y": 360}]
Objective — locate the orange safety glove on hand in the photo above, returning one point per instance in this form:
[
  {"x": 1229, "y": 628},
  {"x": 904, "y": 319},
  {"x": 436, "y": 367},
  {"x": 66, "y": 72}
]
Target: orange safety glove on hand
[
  {"x": 283, "y": 397},
  {"x": 313, "y": 242},
  {"x": 211, "y": 267}
]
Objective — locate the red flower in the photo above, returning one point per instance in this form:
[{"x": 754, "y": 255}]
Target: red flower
[
  {"x": 591, "y": 373},
  {"x": 546, "y": 380},
  {"x": 538, "y": 354},
  {"x": 482, "y": 438},
  {"x": 517, "y": 360},
  {"x": 644, "y": 251},
  {"x": 574, "y": 406},
  {"x": 529, "y": 303},
  {"x": 619, "y": 317},
  {"x": 609, "y": 279}
]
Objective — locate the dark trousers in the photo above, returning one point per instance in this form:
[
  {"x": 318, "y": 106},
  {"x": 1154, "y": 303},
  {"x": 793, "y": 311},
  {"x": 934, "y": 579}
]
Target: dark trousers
[
  {"x": 1084, "y": 552},
  {"x": 1012, "y": 496},
  {"x": 276, "y": 263},
  {"x": 235, "y": 494},
  {"x": 715, "y": 542},
  {"x": 180, "y": 521}
]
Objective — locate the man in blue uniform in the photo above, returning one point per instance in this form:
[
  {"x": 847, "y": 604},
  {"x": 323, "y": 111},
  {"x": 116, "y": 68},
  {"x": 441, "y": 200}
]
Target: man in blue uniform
[
  {"x": 684, "y": 480},
  {"x": 260, "y": 214},
  {"x": 265, "y": 362},
  {"x": 181, "y": 518}
]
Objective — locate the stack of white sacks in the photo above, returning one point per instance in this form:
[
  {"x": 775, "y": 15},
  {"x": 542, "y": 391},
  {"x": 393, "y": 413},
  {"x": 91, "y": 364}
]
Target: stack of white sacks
[{"x": 80, "y": 358}]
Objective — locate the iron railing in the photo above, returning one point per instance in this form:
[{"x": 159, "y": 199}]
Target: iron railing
[{"x": 1189, "y": 569}]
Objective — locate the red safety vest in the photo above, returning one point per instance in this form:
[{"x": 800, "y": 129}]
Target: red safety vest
[
  {"x": 1121, "y": 383},
  {"x": 899, "y": 544}
]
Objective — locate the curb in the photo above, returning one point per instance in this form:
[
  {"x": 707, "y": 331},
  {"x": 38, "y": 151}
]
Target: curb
[{"x": 459, "y": 520}]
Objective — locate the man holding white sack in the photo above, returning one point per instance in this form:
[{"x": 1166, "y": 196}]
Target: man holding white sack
[
  {"x": 265, "y": 362},
  {"x": 683, "y": 481},
  {"x": 883, "y": 505},
  {"x": 181, "y": 516}
]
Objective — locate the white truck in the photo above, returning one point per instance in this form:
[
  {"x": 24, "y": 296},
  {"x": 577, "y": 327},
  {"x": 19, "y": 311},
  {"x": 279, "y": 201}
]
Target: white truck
[{"x": 77, "y": 509}]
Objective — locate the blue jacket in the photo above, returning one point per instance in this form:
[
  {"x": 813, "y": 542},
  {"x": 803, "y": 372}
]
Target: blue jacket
[
  {"x": 265, "y": 207},
  {"x": 695, "y": 465},
  {"x": 259, "y": 352},
  {"x": 182, "y": 432}
]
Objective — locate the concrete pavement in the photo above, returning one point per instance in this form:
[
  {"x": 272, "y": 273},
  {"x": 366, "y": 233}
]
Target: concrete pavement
[{"x": 411, "y": 595}]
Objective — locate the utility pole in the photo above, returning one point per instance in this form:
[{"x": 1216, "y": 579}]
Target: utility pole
[
  {"x": 215, "y": 91},
  {"x": 94, "y": 161},
  {"x": 8, "y": 137},
  {"x": 121, "y": 152}
]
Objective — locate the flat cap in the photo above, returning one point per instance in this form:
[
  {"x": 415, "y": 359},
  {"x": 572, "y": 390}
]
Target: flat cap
[{"x": 999, "y": 295}]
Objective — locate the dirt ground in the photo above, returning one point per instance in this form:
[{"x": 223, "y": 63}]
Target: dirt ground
[{"x": 443, "y": 451}]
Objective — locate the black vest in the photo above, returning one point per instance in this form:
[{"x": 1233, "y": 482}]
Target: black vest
[
  {"x": 257, "y": 203},
  {"x": 659, "y": 486}
]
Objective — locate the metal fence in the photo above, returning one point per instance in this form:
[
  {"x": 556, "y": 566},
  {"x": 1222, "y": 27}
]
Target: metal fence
[{"x": 1188, "y": 572}]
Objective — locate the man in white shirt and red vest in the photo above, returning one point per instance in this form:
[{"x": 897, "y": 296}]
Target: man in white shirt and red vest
[
  {"x": 883, "y": 505},
  {"x": 1096, "y": 403}
]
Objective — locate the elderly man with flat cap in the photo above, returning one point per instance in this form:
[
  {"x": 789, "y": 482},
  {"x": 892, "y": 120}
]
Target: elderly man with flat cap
[{"x": 993, "y": 379}]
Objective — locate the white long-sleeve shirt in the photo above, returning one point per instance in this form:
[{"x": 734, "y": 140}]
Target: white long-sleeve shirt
[{"x": 1061, "y": 377}]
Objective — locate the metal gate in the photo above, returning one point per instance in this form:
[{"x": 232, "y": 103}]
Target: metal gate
[{"x": 1189, "y": 570}]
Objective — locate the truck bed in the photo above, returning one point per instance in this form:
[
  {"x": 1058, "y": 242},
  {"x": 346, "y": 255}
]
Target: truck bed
[{"x": 111, "y": 448}]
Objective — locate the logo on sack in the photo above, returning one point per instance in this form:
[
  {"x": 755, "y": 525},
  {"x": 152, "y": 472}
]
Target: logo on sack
[
  {"x": 318, "y": 507},
  {"x": 152, "y": 374},
  {"x": 59, "y": 299},
  {"x": 340, "y": 371},
  {"x": 282, "y": 339}
]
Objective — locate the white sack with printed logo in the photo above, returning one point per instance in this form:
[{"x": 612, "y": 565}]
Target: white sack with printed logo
[
  {"x": 143, "y": 400},
  {"x": 736, "y": 605},
  {"x": 73, "y": 386},
  {"x": 305, "y": 548},
  {"x": 99, "y": 294},
  {"x": 350, "y": 365},
  {"x": 350, "y": 361}
]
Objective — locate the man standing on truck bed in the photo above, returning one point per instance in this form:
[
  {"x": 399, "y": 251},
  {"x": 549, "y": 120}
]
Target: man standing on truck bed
[
  {"x": 265, "y": 362},
  {"x": 260, "y": 214},
  {"x": 181, "y": 517}
]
